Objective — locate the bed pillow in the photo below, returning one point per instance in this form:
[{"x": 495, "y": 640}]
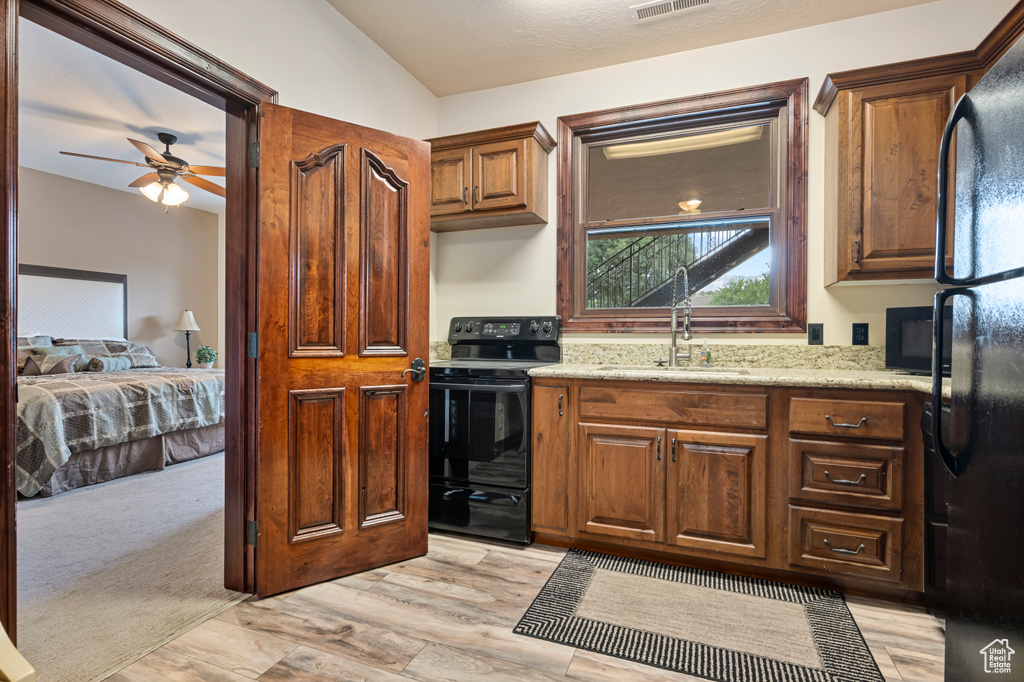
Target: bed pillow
[
  {"x": 37, "y": 365},
  {"x": 80, "y": 365},
  {"x": 107, "y": 364},
  {"x": 27, "y": 343},
  {"x": 139, "y": 355}
]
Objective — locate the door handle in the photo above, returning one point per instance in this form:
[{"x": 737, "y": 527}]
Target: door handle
[
  {"x": 476, "y": 190},
  {"x": 843, "y": 481},
  {"x": 559, "y": 406},
  {"x": 856, "y": 258},
  {"x": 950, "y": 461},
  {"x": 862, "y": 422},
  {"x": 960, "y": 109},
  {"x": 840, "y": 550},
  {"x": 465, "y": 191},
  {"x": 659, "y": 448},
  {"x": 418, "y": 370},
  {"x": 673, "y": 449}
]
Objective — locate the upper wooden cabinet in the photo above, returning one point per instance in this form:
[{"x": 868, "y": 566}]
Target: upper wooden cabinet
[
  {"x": 490, "y": 178},
  {"x": 882, "y": 159}
]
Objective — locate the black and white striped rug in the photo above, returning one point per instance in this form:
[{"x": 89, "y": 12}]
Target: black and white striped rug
[{"x": 712, "y": 625}]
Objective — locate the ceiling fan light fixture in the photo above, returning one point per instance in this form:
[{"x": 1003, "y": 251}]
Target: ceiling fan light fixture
[
  {"x": 174, "y": 195},
  {"x": 152, "y": 190}
]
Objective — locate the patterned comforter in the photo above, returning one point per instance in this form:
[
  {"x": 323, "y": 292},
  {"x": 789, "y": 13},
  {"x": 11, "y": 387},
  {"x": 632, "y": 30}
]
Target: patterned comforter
[{"x": 63, "y": 414}]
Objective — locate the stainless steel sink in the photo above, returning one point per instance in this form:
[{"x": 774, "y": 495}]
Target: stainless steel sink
[{"x": 687, "y": 369}]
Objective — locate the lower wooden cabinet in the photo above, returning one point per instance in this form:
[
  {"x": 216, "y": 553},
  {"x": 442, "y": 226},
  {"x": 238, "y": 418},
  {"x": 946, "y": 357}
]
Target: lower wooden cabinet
[
  {"x": 865, "y": 545},
  {"x": 621, "y": 484},
  {"x": 552, "y": 442},
  {"x": 716, "y": 492},
  {"x": 665, "y": 470}
]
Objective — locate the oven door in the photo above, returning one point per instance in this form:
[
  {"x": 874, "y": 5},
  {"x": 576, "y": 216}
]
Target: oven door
[{"x": 480, "y": 432}]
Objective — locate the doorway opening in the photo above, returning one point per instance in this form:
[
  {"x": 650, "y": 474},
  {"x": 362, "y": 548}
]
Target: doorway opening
[{"x": 118, "y": 32}]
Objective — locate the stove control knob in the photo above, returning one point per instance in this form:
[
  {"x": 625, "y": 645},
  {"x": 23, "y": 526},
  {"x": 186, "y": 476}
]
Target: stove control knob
[
  {"x": 458, "y": 327},
  {"x": 534, "y": 327},
  {"x": 469, "y": 327},
  {"x": 547, "y": 327}
]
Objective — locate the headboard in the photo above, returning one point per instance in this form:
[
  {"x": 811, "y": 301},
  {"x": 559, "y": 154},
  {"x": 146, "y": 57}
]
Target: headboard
[{"x": 74, "y": 304}]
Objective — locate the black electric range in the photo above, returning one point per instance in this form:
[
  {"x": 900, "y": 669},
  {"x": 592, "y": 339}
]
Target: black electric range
[{"x": 480, "y": 424}]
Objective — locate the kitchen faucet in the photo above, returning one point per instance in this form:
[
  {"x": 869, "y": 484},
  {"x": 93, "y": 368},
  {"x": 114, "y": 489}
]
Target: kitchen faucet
[{"x": 674, "y": 356}]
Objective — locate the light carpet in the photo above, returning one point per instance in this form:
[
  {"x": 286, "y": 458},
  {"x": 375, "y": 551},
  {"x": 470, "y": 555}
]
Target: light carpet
[
  {"x": 713, "y": 625},
  {"x": 109, "y": 572}
]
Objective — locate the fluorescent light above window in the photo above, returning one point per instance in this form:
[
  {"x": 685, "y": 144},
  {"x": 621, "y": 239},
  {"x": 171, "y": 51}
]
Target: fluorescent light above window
[{"x": 688, "y": 143}]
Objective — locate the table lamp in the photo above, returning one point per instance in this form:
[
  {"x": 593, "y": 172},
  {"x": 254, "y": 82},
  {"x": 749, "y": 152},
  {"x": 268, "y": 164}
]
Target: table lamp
[{"x": 187, "y": 324}]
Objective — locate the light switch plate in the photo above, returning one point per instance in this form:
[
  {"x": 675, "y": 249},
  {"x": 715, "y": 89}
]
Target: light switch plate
[
  {"x": 860, "y": 333},
  {"x": 815, "y": 334}
]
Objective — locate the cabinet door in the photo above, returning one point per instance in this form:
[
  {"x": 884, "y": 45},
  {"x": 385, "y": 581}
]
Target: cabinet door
[
  {"x": 893, "y": 141},
  {"x": 621, "y": 485},
  {"x": 449, "y": 181},
  {"x": 716, "y": 492},
  {"x": 550, "y": 458},
  {"x": 499, "y": 175}
]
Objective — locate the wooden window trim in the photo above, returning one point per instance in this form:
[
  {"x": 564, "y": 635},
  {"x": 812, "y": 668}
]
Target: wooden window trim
[{"x": 791, "y": 220}]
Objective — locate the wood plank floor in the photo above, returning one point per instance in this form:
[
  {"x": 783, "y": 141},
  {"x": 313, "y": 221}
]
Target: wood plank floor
[{"x": 449, "y": 616}]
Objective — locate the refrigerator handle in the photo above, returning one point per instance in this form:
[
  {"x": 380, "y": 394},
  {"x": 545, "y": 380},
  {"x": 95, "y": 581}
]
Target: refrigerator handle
[
  {"x": 948, "y": 459},
  {"x": 942, "y": 203}
]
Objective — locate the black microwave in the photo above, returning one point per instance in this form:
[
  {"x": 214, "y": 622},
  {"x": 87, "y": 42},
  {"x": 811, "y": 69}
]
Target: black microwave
[{"x": 909, "y": 337}]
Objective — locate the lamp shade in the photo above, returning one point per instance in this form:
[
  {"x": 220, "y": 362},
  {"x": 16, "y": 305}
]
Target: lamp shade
[
  {"x": 174, "y": 195},
  {"x": 186, "y": 323}
]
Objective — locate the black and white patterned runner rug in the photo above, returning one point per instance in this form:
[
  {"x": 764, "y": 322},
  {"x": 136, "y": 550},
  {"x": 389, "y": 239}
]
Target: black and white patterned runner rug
[{"x": 712, "y": 625}]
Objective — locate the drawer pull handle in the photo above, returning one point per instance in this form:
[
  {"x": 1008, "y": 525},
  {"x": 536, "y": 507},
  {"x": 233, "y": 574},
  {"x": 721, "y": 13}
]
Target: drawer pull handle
[
  {"x": 840, "y": 550},
  {"x": 843, "y": 481},
  {"x": 862, "y": 422}
]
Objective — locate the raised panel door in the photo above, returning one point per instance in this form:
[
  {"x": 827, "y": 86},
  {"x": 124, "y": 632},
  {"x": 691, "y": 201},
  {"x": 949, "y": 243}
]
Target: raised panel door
[
  {"x": 716, "y": 492},
  {"x": 450, "y": 171},
  {"x": 894, "y": 139},
  {"x": 499, "y": 175},
  {"x": 552, "y": 436},
  {"x": 621, "y": 484},
  {"x": 343, "y": 264}
]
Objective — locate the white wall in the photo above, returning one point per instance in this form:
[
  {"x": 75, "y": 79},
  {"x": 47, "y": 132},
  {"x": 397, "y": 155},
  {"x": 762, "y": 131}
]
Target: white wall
[
  {"x": 307, "y": 51},
  {"x": 512, "y": 270},
  {"x": 171, "y": 259}
]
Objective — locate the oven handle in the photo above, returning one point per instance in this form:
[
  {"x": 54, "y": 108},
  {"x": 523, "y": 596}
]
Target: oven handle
[{"x": 480, "y": 388}]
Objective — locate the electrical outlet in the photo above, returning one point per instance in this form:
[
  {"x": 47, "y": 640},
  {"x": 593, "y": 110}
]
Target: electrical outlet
[
  {"x": 815, "y": 334},
  {"x": 860, "y": 333}
]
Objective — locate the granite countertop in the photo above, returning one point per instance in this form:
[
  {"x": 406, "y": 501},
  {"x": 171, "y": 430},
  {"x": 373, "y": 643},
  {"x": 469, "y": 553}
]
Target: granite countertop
[{"x": 749, "y": 376}]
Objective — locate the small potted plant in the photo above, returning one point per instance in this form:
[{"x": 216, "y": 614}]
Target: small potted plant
[{"x": 205, "y": 357}]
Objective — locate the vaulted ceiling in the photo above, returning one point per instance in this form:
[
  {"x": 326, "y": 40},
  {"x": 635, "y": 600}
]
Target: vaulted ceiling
[
  {"x": 455, "y": 46},
  {"x": 74, "y": 99}
]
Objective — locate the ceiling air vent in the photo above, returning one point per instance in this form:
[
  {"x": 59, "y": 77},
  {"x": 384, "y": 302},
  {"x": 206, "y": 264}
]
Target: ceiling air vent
[{"x": 659, "y": 9}]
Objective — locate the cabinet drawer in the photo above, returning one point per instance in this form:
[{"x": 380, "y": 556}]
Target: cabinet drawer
[
  {"x": 851, "y": 474},
  {"x": 849, "y": 418},
  {"x": 696, "y": 408},
  {"x": 862, "y": 545}
]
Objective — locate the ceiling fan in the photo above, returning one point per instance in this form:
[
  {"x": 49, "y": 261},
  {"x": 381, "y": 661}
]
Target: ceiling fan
[{"x": 159, "y": 184}]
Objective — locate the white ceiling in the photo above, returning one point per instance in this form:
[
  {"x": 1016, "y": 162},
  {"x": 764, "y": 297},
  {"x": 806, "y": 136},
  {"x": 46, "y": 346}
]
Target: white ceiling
[
  {"x": 455, "y": 46},
  {"x": 77, "y": 100}
]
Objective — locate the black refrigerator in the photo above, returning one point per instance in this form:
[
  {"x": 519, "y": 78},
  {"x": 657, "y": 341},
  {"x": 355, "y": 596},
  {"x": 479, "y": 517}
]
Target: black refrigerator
[{"x": 983, "y": 447}]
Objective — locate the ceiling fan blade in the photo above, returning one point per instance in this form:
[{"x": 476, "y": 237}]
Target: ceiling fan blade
[
  {"x": 216, "y": 171},
  {"x": 146, "y": 179},
  {"x": 103, "y": 158},
  {"x": 148, "y": 151},
  {"x": 203, "y": 183}
]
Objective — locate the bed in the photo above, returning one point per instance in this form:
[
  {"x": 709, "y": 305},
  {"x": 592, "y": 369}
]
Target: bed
[{"x": 86, "y": 427}]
